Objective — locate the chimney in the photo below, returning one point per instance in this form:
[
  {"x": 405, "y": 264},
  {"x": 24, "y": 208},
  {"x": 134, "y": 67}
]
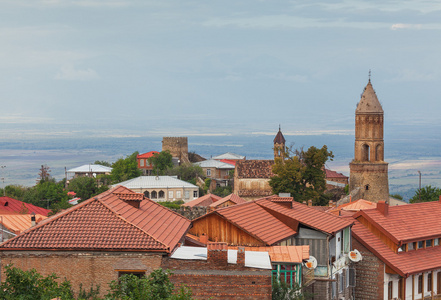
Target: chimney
[
  {"x": 304, "y": 202},
  {"x": 217, "y": 254},
  {"x": 240, "y": 256},
  {"x": 33, "y": 222},
  {"x": 309, "y": 202},
  {"x": 383, "y": 207},
  {"x": 203, "y": 239},
  {"x": 331, "y": 203}
]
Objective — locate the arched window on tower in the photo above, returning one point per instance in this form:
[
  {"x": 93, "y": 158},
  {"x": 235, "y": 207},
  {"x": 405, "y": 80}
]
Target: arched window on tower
[
  {"x": 379, "y": 156},
  {"x": 365, "y": 152}
]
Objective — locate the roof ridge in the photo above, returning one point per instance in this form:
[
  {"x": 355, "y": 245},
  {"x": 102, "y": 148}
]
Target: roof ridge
[{"x": 130, "y": 223}]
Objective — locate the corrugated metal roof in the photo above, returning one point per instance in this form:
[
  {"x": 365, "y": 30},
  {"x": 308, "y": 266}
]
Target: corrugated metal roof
[
  {"x": 283, "y": 254},
  {"x": 152, "y": 182},
  {"x": 212, "y": 163},
  {"x": 91, "y": 169},
  {"x": 18, "y": 222},
  {"x": 229, "y": 155}
]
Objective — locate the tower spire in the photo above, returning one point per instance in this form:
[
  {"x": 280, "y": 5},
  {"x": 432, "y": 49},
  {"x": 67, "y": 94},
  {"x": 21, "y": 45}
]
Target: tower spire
[{"x": 369, "y": 75}]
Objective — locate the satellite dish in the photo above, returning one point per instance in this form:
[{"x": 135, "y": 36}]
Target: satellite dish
[
  {"x": 355, "y": 255},
  {"x": 311, "y": 263}
]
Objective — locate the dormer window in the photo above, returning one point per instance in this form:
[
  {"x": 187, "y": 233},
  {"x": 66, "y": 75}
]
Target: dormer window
[
  {"x": 428, "y": 243},
  {"x": 436, "y": 243},
  {"x": 410, "y": 247},
  {"x": 420, "y": 244}
]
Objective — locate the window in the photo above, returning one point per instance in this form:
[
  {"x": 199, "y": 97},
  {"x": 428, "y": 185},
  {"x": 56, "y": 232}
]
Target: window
[
  {"x": 390, "y": 289},
  {"x": 154, "y": 195},
  {"x": 141, "y": 163},
  {"x": 286, "y": 273},
  {"x": 420, "y": 244},
  {"x": 161, "y": 194},
  {"x": 341, "y": 283},
  {"x": 178, "y": 194},
  {"x": 138, "y": 274},
  {"x": 195, "y": 194},
  {"x": 436, "y": 242},
  {"x": 420, "y": 284},
  {"x": 410, "y": 247},
  {"x": 208, "y": 172},
  {"x": 438, "y": 282},
  {"x": 187, "y": 194},
  {"x": 366, "y": 187},
  {"x": 147, "y": 194},
  {"x": 170, "y": 194},
  {"x": 428, "y": 243},
  {"x": 429, "y": 282}
]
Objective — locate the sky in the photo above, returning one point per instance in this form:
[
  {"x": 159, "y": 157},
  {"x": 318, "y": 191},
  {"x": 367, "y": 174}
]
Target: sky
[{"x": 140, "y": 68}]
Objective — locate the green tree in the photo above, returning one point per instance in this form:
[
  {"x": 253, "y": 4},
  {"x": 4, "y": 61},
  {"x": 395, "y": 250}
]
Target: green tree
[
  {"x": 426, "y": 194},
  {"x": 15, "y": 191},
  {"x": 84, "y": 187},
  {"x": 302, "y": 174},
  {"x": 281, "y": 291},
  {"x": 47, "y": 194},
  {"x": 102, "y": 163},
  {"x": 30, "y": 285},
  {"x": 125, "y": 168},
  {"x": 397, "y": 196},
  {"x": 161, "y": 162},
  {"x": 185, "y": 172},
  {"x": 222, "y": 191},
  {"x": 156, "y": 286}
]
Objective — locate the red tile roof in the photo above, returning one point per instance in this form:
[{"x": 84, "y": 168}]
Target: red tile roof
[
  {"x": 407, "y": 223},
  {"x": 106, "y": 222},
  {"x": 18, "y": 222},
  {"x": 229, "y": 161},
  {"x": 205, "y": 200},
  {"x": 275, "y": 198},
  {"x": 147, "y": 155},
  {"x": 258, "y": 222},
  {"x": 333, "y": 174},
  {"x": 283, "y": 254},
  {"x": 353, "y": 207},
  {"x": 254, "y": 168},
  {"x": 279, "y": 139},
  {"x": 231, "y": 197},
  {"x": 13, "y": 205},
  {"x": 404, "y": 263}
]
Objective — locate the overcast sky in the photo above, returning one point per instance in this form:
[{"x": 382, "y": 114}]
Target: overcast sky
[{"x": 203, "y": 67}]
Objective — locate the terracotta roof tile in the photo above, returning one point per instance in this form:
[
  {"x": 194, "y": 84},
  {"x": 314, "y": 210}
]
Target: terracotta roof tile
[
  {"x": 13, "y": 205},
  {"x": 231, "y": 197},
  {"x": 147, "y": 155},
  {"x": 407, "y": 223},
  {"x": 404, "y": 263},
  {"x": 18, "y": 222},
  {"x": 283, "y": 254},
  {"x": 106, "y": 222},
  {"x": 254, "y": 168},
  {"x": 334, "y": 174},
  {"x": 205, "y": 200}
]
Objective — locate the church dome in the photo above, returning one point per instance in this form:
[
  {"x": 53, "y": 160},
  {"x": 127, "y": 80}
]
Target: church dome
[{"x": 369, "y": 102}]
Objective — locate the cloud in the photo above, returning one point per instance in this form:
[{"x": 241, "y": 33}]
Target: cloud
[
  {"x": 413, "y": 75},
  {"x": 406, "y": 26},
  {"x": 70, "y": 73}
]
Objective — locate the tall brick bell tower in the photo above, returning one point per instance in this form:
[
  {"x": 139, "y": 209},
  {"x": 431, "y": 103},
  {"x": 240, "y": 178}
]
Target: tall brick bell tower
[{"x": 368, "y": 170}]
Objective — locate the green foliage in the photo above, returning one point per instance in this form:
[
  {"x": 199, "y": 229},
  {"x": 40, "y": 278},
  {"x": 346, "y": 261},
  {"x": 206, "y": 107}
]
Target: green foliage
[
  {"x": 30, "y": 285},
  {"x": 156, "y": 286},
  {"x": 222, "y": 191},
  {"x": 426, "y": 194},
  {"x": 302, "y": 175},
  {"x": 47, "y": 194},
  {"x": 161, "y": 162},
  {"x": 86, "y": 187},
  {"x": 125, "y": 169},
  {"x": 92, "y": 294},
  {"x": 15, "y": 191},
  {"x": 347, "y": 189},
  {"x": 171, "y": 204},
  {"x": 186, "y": 172},
  {"x": 102, "y": 163},
  {"x": 397, "y": 196},
  {"x": 281, "y": 291}
]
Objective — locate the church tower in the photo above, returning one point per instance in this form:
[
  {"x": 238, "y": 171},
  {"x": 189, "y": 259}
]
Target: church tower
[
  {"x": 368, "y": 170},
  {"x": 279, "y": 145}
]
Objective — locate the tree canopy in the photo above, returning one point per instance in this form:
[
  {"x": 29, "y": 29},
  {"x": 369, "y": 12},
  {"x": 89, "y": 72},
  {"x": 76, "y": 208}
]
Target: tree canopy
[
  {"x": 426, "y": 194},
  {"x": 86, "y": 187},
  {"x": 302, "y": 174},
  {"x": 186, "y": 172},
  {"x": 125, "y": 168},
  {"x": 161, "y": 162}
]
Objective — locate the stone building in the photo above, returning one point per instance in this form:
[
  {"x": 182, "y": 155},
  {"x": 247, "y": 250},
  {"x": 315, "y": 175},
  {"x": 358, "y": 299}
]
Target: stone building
[
  {"x": 178, "y": 147},
  {"x": 279, "y": 145},
  {"x": 368, "y": 170}
]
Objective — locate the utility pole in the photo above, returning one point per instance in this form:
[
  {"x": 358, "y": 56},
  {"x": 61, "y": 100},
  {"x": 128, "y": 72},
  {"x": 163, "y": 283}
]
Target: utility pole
[
  {"x": 3, "y": 179},
  {"x": 419, "y": 191}
]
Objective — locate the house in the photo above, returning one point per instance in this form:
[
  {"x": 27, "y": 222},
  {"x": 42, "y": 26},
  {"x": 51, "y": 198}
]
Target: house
[
  {"x": 229, "y": 200},
  {"x": 17, "y": 206},
  {"x": 216, "y": 170},
  {"x": 264, "y": 222},
  {"x": 89, "y": 170},
  {"x": 98, "y": 240},
  {"x": 251, "y": 178},
  {"x": 217, "y": 272},
  {"x": 229, "y": 156},
  {"x": 336, "y": 177},
  {"x": 162, "y": 188},
  {"x": 143, "y": 162},
  {"x": 401, "y": 251},
  {"x": 15, "y": 223}
]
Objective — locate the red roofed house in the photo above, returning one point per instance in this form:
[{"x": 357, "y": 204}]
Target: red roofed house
[
  {"x": 263, "y": 222},
  {"x": 401, "y": 250},
  {"x": 336, "y": 177},
  {"x": 203, "y": 201},
  {"x": 143, "y": 163},
  {"x": 229, "y": 200},
  {"x": 17, "y": 206},
  {"x": 98, "y": 240}
]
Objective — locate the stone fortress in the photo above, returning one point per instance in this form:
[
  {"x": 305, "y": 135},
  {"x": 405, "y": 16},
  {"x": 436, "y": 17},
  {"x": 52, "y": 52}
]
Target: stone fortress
[{"x": 178, "y": 147}]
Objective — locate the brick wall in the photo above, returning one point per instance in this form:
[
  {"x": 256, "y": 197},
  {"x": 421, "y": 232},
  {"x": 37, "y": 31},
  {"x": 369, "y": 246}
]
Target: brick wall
[
  {"x": 86, "y": 268},
  {"x": 369, "y": 274}
]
